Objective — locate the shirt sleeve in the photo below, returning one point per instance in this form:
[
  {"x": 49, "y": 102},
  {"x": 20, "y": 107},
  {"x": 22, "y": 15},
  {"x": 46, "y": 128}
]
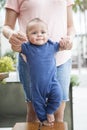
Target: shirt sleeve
[
  {"x": 70, "y": 2},
  {"x": 56, "y": 46},
  {"x": 24, "y": 48},
  {"x": 13, "y": 4}
]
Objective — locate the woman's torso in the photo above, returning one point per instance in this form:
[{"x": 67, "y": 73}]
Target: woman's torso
[{"x": 53, "y": 12}]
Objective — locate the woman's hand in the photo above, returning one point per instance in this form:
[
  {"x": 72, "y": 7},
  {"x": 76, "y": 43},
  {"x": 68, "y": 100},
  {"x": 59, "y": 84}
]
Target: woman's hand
[
  {"x": 16, "y": 39},
  {"x": 65, "y": 43}
]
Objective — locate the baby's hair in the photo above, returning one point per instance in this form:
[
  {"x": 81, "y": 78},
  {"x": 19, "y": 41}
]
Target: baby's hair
[{"x": 34, "y": 20}]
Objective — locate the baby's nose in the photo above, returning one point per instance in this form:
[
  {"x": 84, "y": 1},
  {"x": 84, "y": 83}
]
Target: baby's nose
[{"x": 39, "y": 34}]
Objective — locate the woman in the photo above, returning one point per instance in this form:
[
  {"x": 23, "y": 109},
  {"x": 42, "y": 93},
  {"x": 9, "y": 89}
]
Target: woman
[{"x": 58, "y": 15}]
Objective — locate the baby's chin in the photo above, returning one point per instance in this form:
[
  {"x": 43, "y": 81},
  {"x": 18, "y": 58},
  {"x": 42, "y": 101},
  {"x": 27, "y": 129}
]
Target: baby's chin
[{"x": 39, "y": 43}]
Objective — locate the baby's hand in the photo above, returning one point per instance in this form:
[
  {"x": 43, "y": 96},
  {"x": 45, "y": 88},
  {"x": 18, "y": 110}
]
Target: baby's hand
[{"x": 65, "y": 43}]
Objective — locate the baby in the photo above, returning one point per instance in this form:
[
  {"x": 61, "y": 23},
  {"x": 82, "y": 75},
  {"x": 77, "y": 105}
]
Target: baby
[{"x": 40, "y": 55}]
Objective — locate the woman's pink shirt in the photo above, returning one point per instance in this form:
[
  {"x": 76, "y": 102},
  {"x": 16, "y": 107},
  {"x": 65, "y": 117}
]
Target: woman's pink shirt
[{"x": 53, "y": 12}]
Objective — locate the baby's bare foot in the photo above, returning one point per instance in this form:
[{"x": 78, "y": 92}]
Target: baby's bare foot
[
  {"x": 46, "y": 123},
  {"x": 50, "y": 118},
  {"x": 37, "y": 120}
]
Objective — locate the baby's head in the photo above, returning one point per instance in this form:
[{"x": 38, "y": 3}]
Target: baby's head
[{"x": 37, "y": 31}]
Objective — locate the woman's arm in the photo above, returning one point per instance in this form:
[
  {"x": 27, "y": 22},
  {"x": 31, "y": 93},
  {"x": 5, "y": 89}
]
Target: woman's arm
[
  {"x": 15, "y": 38},
  {"x": 66, "y": 42},
  {"x": 9, "y": 24},
  {"x": 70, "y": 23}
]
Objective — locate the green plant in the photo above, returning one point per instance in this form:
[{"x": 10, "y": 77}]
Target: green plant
[
  {"x": 11, "y": 54},
  {"x": 74, "y": 81},
  {"x": 80, "y": 5},
  {"x": 2, "y": 3},
  {"x": 6, "y": 64}
]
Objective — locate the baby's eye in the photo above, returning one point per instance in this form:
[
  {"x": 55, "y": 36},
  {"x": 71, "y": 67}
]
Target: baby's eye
[
  {"x": 34, "y": 32},
  {"x": 43, "y": 32}
]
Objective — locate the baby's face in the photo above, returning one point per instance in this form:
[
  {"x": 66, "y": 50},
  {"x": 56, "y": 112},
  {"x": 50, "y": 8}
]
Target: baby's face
[{"x": 37, "y": 33}]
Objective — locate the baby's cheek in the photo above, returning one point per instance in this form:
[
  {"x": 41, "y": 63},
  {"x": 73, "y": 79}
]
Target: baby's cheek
[{"x": 33, "y": 40}]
